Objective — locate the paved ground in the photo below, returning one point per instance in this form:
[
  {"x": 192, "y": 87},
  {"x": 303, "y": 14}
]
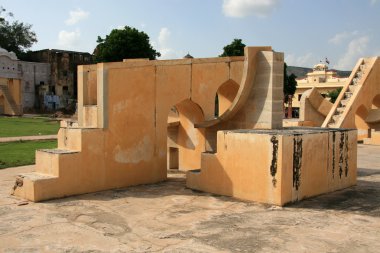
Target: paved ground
[
  {"x": 29, "y": 138},
  {"x": 167, "y": 217}
]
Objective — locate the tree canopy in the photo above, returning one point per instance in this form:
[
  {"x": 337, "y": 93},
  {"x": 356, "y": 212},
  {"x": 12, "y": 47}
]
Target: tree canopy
[
  {"x": 124, "y": 43},
  {"x": 236, "y": 48},
  {"x": 333, "y": 95},
  {"x": 290, "y": 84},
  {"x": 15, "y": 36}
]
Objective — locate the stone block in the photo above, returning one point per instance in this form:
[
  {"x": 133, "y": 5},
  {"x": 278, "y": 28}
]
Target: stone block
[{"x": 278, "y": 166}]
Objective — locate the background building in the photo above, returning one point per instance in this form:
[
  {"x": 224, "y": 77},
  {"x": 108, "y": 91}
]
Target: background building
[
  {"x": 19, "y": 81},
  {"x": 47, "y": 81},
  {"x": 63, "y": 69},
  {"x": 322, "y": 78}
]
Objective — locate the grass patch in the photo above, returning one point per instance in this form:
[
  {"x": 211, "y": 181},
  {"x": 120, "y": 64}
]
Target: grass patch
[
  {"x": 20, "y": 153},
  {"x": 14, "y": 126}
]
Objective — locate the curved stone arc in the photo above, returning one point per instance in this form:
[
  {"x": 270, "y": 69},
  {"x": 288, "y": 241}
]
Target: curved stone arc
[
  {"x": 373, "y": 116},
  {"x": 249, "y": 73}
]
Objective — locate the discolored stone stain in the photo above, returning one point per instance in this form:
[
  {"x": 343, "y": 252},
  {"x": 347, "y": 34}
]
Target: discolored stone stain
[
  {"x": 297, "y": 161},
  {"x": 19, "y": 183},
  {"x": 346, "y": 154},
  {"x": 333, "y": 154},
  {"x": 273, "y": 166},
  {"x": 341, "y": 154}
]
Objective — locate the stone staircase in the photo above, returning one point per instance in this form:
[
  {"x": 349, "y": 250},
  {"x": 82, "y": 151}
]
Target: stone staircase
[
  {"x": 17, "y": 110},
  {"x": 348, "y": 93},
  {"x": 57, "y": 166}
]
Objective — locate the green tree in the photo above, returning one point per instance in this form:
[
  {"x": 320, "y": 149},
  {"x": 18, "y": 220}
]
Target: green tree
[
  {"x": 15, "y": 36},
  {"x": 290, "y": 84},
  {"x": 333, "y": 95},
  {"x": 124, "y": 43},
  {"x": 236, "y": 48}
]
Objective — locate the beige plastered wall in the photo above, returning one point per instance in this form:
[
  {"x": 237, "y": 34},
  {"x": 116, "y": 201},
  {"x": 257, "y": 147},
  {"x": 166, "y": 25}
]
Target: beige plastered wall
[
  {"x": 279, "y": 166},
  {"x": 313, "y": 107},
  {"x": 121, "y": 135}
]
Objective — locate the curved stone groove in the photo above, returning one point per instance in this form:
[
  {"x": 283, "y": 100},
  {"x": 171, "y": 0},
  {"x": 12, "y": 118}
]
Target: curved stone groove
[{"x": 249, "y": 73}]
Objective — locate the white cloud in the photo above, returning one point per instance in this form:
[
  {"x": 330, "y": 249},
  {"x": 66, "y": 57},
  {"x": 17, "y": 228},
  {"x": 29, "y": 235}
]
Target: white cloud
[
  {"x": 76, "y": 16},
  {"x": 168, "y": 53},
  {"x": 163, "y": 37},
  {"x": 355, "y": 49},
  {"x": 306, "y": 60},
  {"x": 341, "y": 37},
  {"x": 163, "y": 45},
  {"x": 68, "y": 40},
  {"x": 243, "y": 8}
]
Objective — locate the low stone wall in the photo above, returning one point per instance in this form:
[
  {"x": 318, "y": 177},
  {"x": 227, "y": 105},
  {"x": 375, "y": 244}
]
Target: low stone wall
[{"x": 278, "y": 166}]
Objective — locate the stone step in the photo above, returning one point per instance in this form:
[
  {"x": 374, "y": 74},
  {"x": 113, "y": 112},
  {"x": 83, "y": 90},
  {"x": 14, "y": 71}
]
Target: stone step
[
  {"x": 352, "y": 88},
  {"x": 28, "y": 185},
  {"x": 331, "y": 125},
  {"x": 332, "y": 120},
  {"x": 70, "y": 139},
  {"x": 58, "y": 151},
  {"x": 348, "y": 94},
  {"x": 69, "y": 123},
  {"x": 48, "y": 160},
  {"x": 344, "y": 102},
  {"x": 35, "y": 176},
  {"x": 336, "y": 117},
  {"x": 340, "y": 110}
]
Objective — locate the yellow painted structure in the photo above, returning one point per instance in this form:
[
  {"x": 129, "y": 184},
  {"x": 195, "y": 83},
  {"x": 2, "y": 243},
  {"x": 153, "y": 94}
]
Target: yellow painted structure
[
  {"x": 321, "y": 78},
  {"x": 357, "y": 106},
  {"x": 278, "y": 166},
  {"x": 132, "y": 114},
  {"x": 121, "y": 135},
  {"x": 314, "y": 107}
]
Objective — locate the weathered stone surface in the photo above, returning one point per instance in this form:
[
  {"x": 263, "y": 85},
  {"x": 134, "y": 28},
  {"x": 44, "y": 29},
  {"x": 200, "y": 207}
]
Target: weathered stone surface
[
  {"x": 123, "y": 109},
  {"x": 168, "y": 217},
  {"x": 278, "y": 166}
]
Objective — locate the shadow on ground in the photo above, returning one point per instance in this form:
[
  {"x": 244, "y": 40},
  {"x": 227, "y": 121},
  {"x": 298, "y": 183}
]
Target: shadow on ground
[{"x": 363, "y": 199}]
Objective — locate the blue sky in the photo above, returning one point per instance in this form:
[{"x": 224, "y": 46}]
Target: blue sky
[{"x": 306, "y": 31}]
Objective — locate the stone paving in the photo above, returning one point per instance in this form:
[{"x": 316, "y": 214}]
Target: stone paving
[{"x": 168, "y": 217}]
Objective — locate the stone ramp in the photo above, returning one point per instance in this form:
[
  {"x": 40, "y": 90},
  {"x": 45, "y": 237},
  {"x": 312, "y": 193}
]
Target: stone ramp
[{"x": 357, "y": 106}]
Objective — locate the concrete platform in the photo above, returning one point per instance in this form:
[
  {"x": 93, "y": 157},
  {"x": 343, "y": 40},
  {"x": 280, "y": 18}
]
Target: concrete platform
[{"x": 167, "y": 217}]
